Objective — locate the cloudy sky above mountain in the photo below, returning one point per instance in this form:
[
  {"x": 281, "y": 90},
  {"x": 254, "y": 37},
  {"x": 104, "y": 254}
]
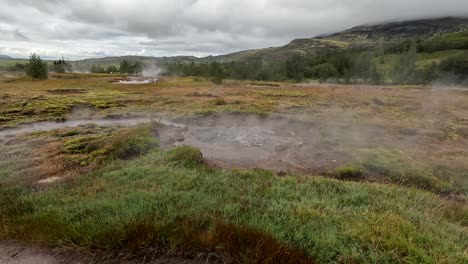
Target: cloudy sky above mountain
[{"x": 98, "y": 28}]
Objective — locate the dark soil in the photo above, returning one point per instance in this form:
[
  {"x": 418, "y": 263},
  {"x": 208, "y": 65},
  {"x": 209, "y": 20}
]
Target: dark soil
[{"x": 14, "y": 252}]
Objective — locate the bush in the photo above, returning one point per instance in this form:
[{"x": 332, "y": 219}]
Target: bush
[{"x": 185, "y": 156}]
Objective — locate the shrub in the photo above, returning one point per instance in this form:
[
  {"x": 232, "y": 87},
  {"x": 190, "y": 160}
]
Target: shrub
[{"x": 185, "y": 156}]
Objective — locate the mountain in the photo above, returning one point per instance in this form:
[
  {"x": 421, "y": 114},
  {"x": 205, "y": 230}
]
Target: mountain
[
  {"x": 364, "y": 35},
  {"x": 398, "y": 31},
  {"x": 5, "y": 57},
  {"x": 297, "y": 46}
]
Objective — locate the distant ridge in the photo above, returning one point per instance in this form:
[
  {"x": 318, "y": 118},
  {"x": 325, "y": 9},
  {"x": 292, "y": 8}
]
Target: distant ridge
[
  {"x": 5, "y": 57},
  {"x": 397, "y": 31},
  {"x": 368, "y": 35}
]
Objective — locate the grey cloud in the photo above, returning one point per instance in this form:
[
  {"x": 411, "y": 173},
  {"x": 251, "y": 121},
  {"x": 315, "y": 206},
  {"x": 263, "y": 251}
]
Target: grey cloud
[
  {"x": 201, "y": 27},
  {"x": 13, "y": 35},
  {"x": 19, "y": 36}
]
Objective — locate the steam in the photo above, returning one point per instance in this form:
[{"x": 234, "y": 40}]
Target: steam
[
  {"x": 149, "y": 74},
  {"x": 151, "y": 70}
]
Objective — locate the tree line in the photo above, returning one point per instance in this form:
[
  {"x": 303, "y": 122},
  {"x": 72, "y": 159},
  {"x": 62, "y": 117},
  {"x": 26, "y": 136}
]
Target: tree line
[
  {"x": 37, "y": 68},
  {"x": 345, "y": 66}
]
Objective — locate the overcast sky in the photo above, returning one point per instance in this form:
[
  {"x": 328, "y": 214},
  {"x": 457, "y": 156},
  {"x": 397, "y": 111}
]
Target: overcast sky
[{"x": 98, "y": 28}]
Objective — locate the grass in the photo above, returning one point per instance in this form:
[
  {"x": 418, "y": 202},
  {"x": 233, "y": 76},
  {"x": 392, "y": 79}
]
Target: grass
[
  {"x": 280, "y": 93},
  {"x": 70, "y": 152},
  {"x": 119, "y": 191},
  {"x": 54, "y": 99},
  {"x": 185, "y": 156},
  {"x": 11, "y": 62},
  {"x": 397, "y": 169},
  {"x": 348, "y": 172},
  {"x": 62, "y": 96},
  {"x": 126, "y": 143},
  {"x": 46, "y": 100},
  {"x": 132, "y": 204}
]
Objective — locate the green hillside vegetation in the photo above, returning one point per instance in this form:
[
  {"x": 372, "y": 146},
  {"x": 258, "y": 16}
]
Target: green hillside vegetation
[
  {"x": 456, "y": 41},
  {"x": 401, "y": 63},
  {"x": 304, "y": 47}
]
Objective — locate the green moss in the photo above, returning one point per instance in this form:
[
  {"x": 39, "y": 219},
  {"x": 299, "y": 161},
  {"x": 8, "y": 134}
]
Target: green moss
[
  {"x": 185, "y": 156},
  {"x": 349, "y": 172},
  {"x": 133, "y": 142},
  {"x": 127, "y": 143}
]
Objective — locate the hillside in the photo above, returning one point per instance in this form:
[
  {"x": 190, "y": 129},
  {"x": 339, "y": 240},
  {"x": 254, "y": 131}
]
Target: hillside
[
  {"x": 364, "y": 35},
  {"x": 398, "y": 31},
  {"x": 297, "y": 46},
  {"x": 5, "y": 57},
  {"x": 367, "y": 35}
]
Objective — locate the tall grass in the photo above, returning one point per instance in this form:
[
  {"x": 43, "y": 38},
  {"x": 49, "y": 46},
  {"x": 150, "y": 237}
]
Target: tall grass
[{"x": 253, "y": 215}]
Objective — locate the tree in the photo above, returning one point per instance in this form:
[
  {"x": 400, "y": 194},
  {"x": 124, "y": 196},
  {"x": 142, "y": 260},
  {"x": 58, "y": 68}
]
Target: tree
[
  {"x": 404, "y": 69},
  {"x": 130, "y": 67},
  {"x": 97, "y": 69},
  {"x": 324, "y": 71},
  {"x": 216, "y": 72},
  {"x": 124, "y": 66},
  {"x": 112, "y": 69},
  {"x": 62, "y": 66},
  {"x": 36, "y": 68},
  {"x": 295, "y": 68}
]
